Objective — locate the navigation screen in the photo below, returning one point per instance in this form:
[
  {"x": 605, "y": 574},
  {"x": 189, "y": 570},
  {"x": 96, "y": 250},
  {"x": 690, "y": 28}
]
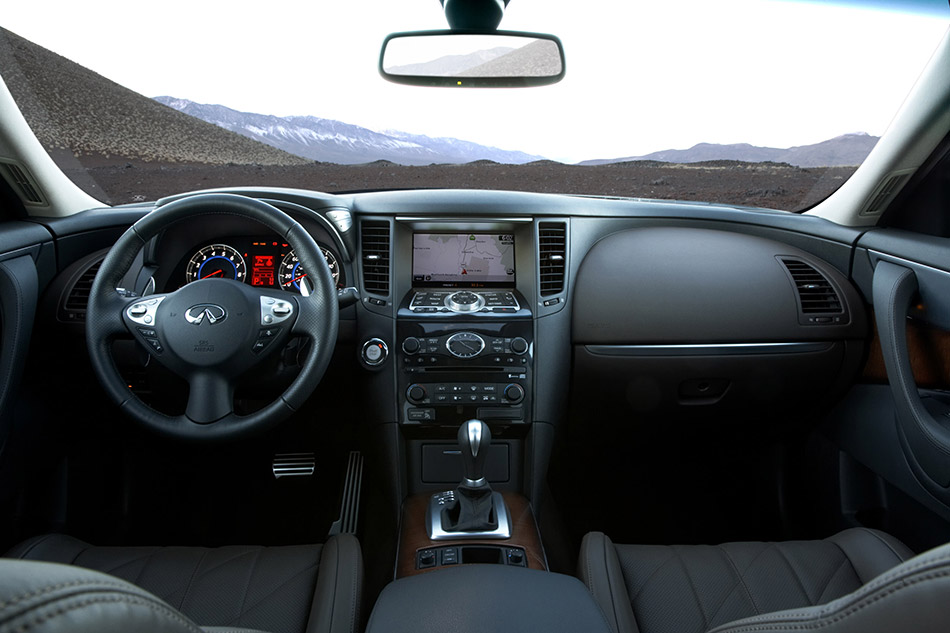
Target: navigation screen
[{"x": 463, "y": 259}]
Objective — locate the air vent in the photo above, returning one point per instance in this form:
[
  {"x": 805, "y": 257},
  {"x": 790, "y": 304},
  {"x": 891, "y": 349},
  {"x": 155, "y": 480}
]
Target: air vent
[
  {"x": 552, "y": 254},
  {"x": 375, "y": 247},
  {"x": 21, "y": 179},
  {"x": 816, "y": 294},
  {"x": 74, "y": 307},
  {"x": 886, "y": 193}
]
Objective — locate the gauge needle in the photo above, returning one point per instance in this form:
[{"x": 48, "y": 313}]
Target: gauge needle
[
  {"x": 295, "y": 279},
  {"x": 217, "y": 272}
]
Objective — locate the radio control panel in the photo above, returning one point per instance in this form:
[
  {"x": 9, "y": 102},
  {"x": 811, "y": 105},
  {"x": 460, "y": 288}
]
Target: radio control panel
[{"x": 452, "y": 372}]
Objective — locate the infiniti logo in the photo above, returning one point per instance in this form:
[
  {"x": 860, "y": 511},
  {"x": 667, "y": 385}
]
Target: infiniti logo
[{"x": 214, "y": 313}]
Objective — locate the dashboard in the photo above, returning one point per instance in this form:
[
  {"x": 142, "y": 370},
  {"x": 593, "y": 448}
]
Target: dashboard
[{"x": 529, "y": 311}]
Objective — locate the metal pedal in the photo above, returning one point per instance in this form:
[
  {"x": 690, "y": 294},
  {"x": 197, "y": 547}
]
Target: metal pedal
[
  {"x": 294, "y": 465},
  {"x": 350, "y": 507}
]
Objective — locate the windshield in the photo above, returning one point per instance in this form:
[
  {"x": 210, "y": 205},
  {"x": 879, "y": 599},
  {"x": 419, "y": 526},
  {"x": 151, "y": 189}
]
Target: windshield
[{"x": 746, "y": 102}]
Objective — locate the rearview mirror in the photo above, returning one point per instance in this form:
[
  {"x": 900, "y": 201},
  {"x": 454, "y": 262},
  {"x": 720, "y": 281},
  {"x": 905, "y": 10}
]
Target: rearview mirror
[{"x": 469, "y": 59}]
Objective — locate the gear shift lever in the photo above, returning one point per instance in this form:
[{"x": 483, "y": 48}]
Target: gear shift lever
[
  {"x": 472, "y": 510},
  {"x": 474, "y": 439}
]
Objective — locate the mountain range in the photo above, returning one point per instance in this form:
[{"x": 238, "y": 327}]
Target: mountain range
[
  {"x": 847, "y": 149},
  {"x": 332, "y": 141}
]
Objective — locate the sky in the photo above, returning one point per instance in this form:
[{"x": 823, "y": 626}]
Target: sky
[{"x": 641, "y": 76}]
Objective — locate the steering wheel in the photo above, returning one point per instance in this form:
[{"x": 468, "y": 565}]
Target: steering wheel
[{"x": 212, "y": 331}]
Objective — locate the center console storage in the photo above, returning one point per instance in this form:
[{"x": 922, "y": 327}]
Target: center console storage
[{"x": 508, "y": 598}]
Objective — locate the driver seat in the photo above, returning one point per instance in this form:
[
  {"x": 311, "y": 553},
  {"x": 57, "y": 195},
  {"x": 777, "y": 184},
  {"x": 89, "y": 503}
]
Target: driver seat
[{"x": 286, "y": 589}]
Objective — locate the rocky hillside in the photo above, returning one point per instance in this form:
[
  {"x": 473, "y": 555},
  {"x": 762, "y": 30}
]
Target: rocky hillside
[
  {"x": 330, "y": 141},
  {"x": 844, "y": 150},
  {"x": 71, "y": 108}
]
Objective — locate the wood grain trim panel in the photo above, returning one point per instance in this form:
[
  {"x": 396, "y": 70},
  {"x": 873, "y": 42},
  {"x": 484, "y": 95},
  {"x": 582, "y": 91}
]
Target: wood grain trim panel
[
  {"x": 413, "y": 535},
  {"x": 929, "y": 351}
]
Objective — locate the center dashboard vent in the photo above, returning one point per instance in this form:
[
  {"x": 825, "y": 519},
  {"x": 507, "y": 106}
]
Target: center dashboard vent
[
  {"x": 374, "y": 238},
  {"x": 552, "y": 256},
  {"x": 815, "y": 293}
]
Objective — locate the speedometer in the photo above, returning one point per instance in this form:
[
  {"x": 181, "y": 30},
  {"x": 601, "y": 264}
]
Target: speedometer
[
  {"x": 217, "y": 261},
  {"x": 292, "y": 273}
]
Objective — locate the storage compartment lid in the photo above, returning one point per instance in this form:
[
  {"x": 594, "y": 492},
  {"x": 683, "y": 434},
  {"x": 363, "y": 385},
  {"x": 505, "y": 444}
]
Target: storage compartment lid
[{"x": 485, "y": 598}]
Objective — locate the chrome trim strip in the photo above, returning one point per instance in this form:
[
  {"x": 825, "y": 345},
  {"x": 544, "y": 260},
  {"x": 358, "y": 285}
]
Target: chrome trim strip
[
  {"x": 445, "y": 220},
  {"x": 434, "y": 520},
  {"x": 900, "y": 261},
  {"x": 709, "y": 349}
]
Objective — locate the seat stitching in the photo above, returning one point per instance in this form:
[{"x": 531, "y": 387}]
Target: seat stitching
[
  {"x": 127, "y": 562},
  {"x": 692, "y": 588},
  {"x": 221, "y": 564},
  {"x": 825, "y": 618},
  {"x": 191, "y": 579},
  {"x": 247, "y": 586},
  {"x": 81, "y": 552},
  {"x": 610, "y": 593},
  {"x": 899, "y": 558},
  {"x": 740, "y": 578},
  {"x": 821, "y": 596},
  {"x": 138, "y": 600},
  {"x": 795, "y": 574},
  {"x": 653, "y": 573},
  {"x": 138, "y": 576},
  {"x": 275, "y": 589}
]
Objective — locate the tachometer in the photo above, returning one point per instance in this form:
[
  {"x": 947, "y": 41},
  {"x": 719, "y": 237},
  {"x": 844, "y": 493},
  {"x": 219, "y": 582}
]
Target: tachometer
[
  {"x": 217, "y": 261},
  {"x": 292, "y": 273}
]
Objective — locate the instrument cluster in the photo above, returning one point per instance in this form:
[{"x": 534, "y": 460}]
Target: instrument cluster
[{"x": 257, "y": 260}]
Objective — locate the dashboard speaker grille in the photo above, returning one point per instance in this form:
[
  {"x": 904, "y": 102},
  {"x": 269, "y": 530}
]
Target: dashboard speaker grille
[
  {"x": 552, "y": 252},
  {"x": 74, "y": 306},
  {"x": 21, "y": 178},
  {"x": 375, "y": 249},
  {"x": 815, "y": 293}
]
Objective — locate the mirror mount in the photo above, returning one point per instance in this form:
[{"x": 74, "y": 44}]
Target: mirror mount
[{"x": 474, "y": 15}]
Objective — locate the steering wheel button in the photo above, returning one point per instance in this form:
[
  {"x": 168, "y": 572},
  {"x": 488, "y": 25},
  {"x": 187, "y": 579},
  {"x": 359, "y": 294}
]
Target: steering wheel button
[
  {"x": 268, "y": 318},
  {"x": 155, "y": 344},
  {"x": 139, "y": 309}
]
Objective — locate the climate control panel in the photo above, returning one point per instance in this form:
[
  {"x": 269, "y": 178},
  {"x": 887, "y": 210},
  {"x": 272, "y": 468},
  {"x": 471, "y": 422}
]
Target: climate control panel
[{"x": 449, "y": 373}]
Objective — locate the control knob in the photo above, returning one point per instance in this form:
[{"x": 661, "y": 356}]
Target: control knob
[
  {"x": 416, "y": 393},
  {"x": 411, "y": 345},
  {"x": 519, "y": 345},
  {"x": 514, "y": 393}
]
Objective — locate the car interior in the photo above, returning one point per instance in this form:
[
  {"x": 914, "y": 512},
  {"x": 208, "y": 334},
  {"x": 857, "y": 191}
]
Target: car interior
[{"x": 270, "y": 409}]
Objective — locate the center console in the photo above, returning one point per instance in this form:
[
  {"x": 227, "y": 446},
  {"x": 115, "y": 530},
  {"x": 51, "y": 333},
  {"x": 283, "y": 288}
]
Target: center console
[{"x": 464, "y": 333}]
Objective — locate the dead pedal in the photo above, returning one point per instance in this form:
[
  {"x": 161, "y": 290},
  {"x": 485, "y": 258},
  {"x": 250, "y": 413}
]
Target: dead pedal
[{"x": 350, "y": 507}]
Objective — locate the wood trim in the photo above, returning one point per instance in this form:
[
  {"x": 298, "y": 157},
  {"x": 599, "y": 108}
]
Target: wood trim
[
  {"x": 413, "y": 535},
  {"x": 929, "y": 351}
]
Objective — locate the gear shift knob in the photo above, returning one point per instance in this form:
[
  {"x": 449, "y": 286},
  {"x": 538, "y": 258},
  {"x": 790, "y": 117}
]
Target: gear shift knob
[{"x": 474, "y": 439}]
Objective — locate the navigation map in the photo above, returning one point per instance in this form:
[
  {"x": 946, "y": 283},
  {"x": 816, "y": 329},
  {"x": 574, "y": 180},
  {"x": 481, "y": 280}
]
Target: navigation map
[{"x": 463, "y": 258}]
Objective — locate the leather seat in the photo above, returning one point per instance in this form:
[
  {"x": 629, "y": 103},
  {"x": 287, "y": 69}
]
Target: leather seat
[
  {"x": 866, "y": 580},
  {"x": 289, "y": 589}
]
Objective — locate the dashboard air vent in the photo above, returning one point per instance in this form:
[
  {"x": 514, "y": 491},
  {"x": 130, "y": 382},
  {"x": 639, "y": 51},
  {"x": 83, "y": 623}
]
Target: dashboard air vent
[
  {"x": 815, "y": 293},
  {"x": 375, "y": 247},
  {"x": 552, "y": 254},
  {"x": 74, "y": 307}
]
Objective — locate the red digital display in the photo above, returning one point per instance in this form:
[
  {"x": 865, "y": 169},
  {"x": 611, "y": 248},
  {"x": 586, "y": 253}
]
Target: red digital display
[{"x": 262, "y": 270}]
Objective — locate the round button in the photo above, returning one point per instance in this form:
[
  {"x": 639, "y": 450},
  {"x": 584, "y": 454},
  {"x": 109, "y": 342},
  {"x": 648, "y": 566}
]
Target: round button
[
  {"x": 374, "y": 352},
  {"x": 416, "y": 393},
  {"x": 519, "y": 345},
  {"x": 514, "y": 393},
  {"x": 411, "y": 345}
]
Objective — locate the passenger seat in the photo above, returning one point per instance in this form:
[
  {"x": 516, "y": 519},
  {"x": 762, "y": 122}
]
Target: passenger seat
[{"x": 858, "y": 580}]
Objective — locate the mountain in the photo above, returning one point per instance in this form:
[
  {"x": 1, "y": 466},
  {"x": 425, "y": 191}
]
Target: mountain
[
  {"x": 845, "y": 150},
  {"x": 71, "y": 108},
  {"x": 450, "y": 64},
  {"x": 332, "y": 141}
]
